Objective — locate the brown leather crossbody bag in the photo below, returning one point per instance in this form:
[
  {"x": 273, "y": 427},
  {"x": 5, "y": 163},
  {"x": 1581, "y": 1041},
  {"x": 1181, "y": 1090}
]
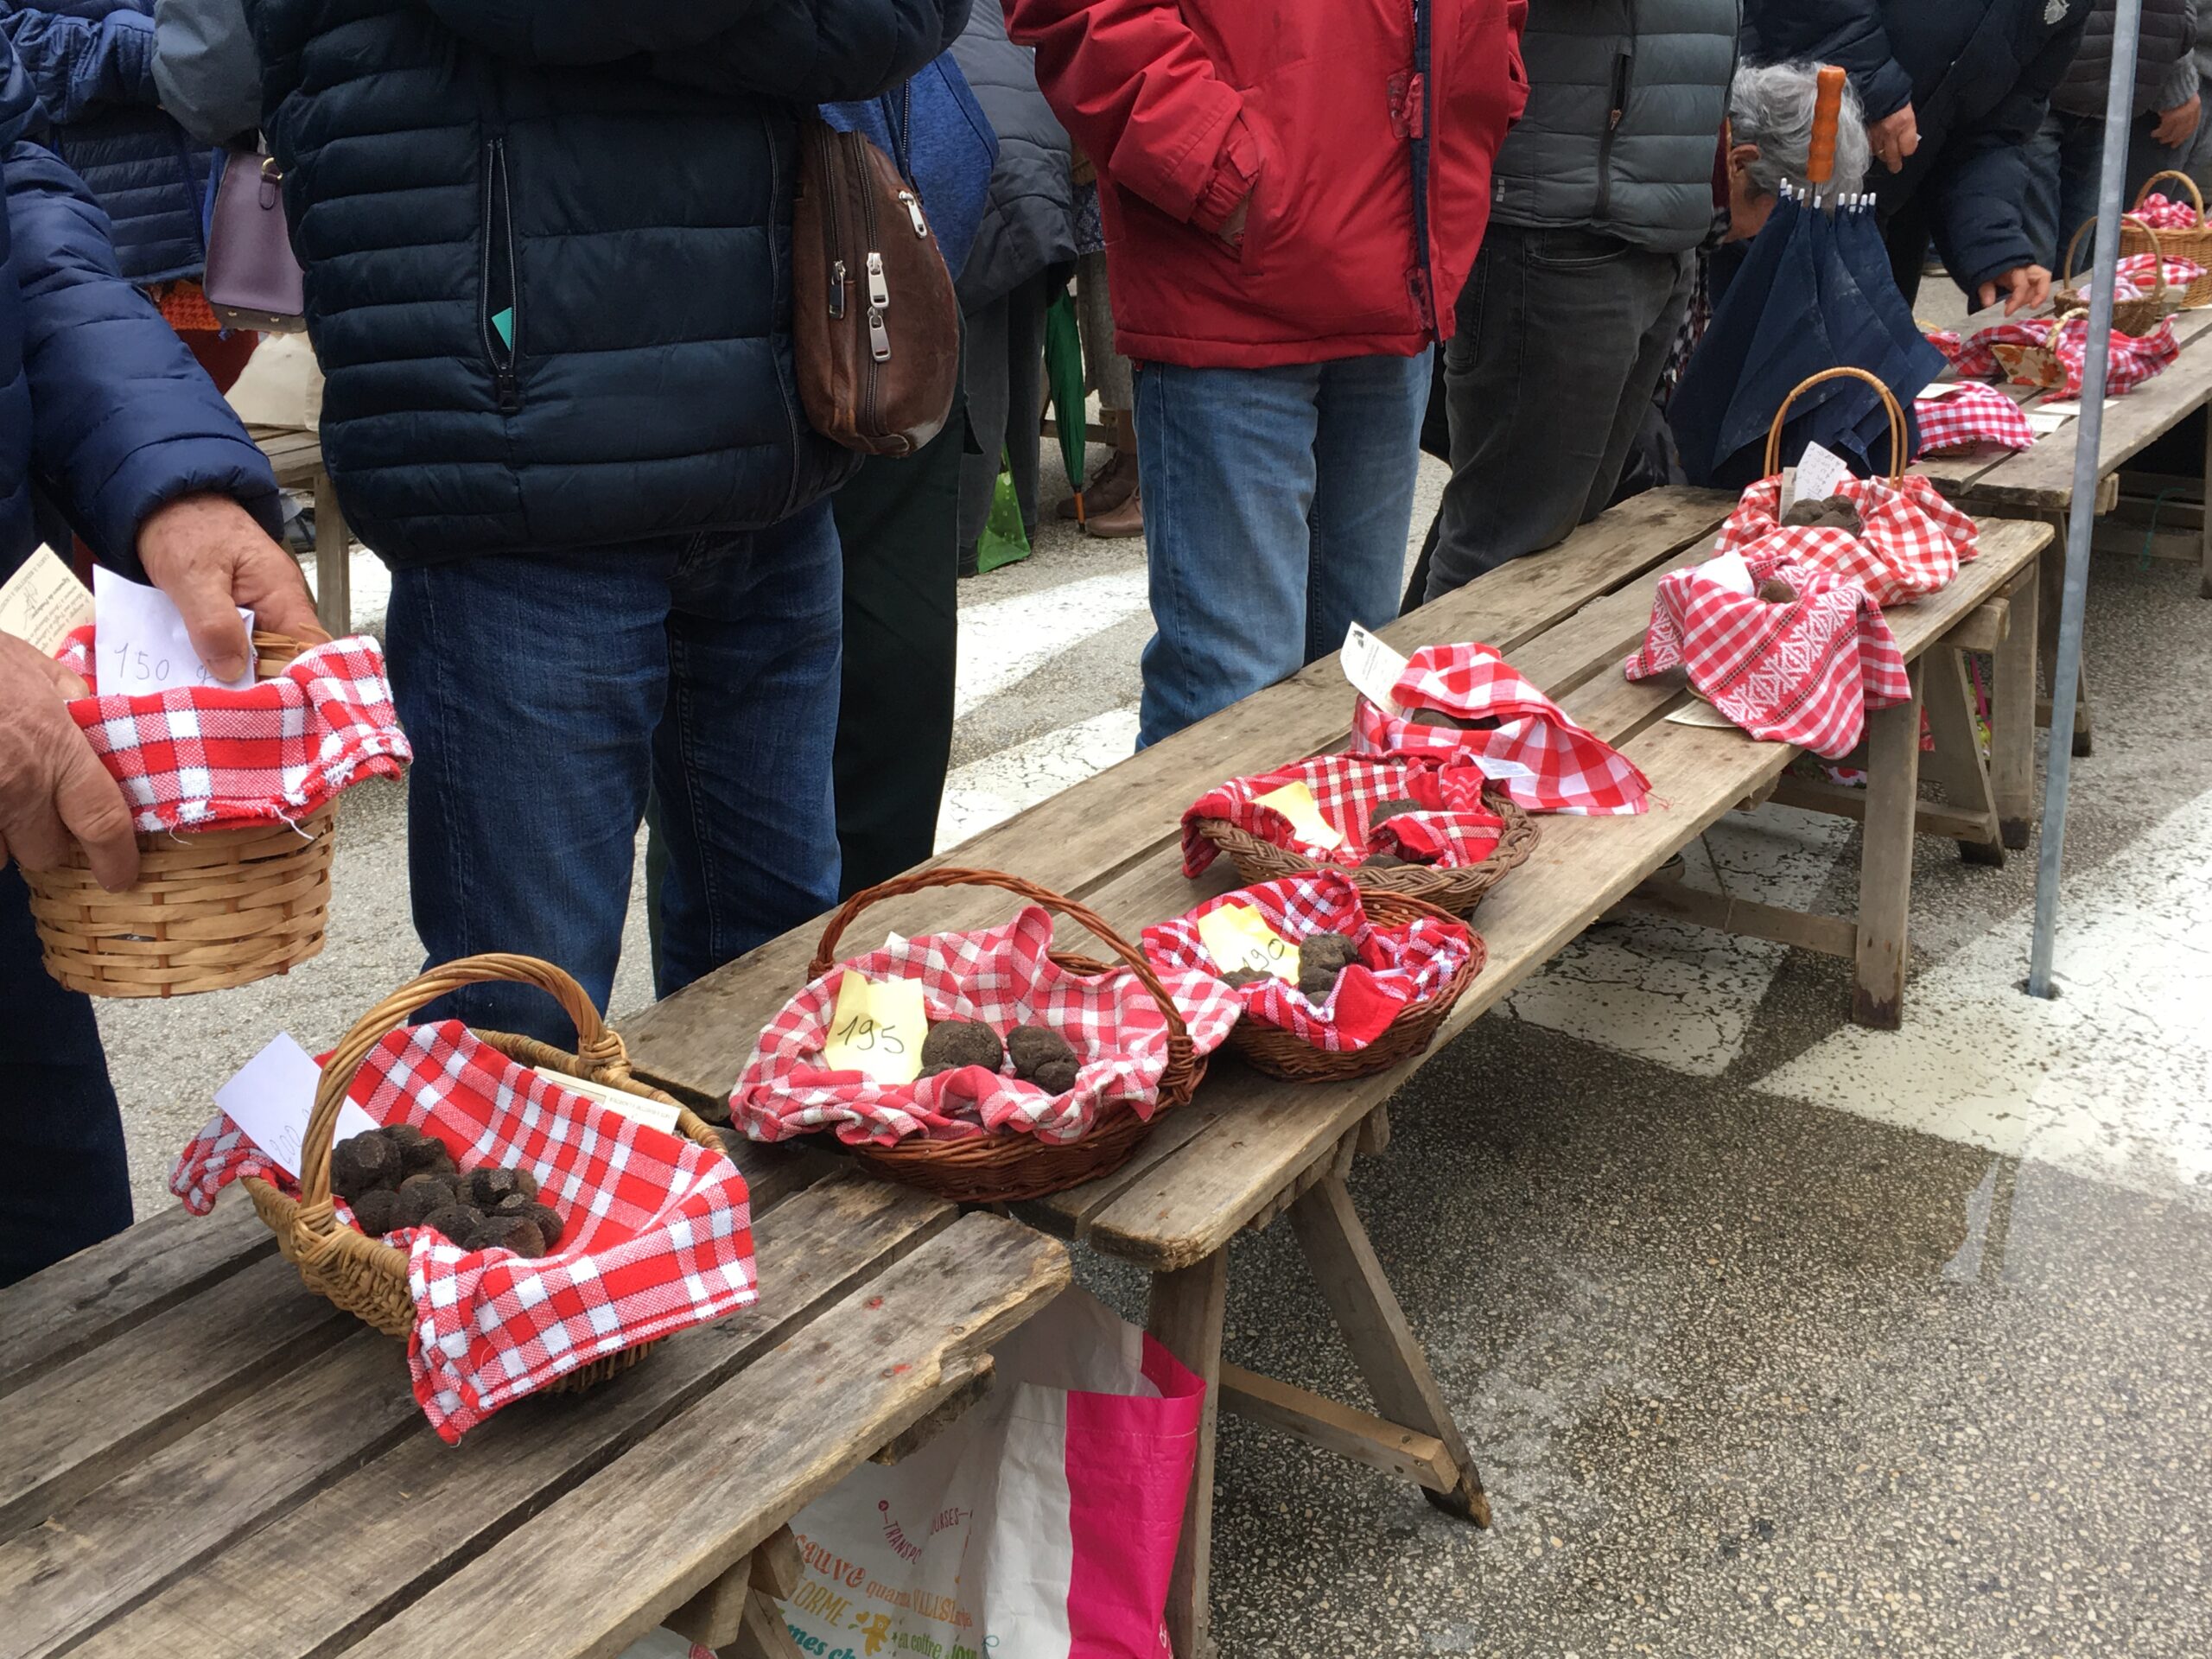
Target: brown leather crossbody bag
[{"x": 875, "y": 320}]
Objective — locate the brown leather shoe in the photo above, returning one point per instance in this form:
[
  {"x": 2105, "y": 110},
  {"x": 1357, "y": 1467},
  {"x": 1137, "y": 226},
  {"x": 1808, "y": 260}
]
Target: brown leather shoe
[
  {"x": 1115, "y": 482},
  {"x": 1125, "y": 520}
]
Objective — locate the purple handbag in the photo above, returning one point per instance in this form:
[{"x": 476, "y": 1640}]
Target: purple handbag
[{"x": 252, "y": 281}]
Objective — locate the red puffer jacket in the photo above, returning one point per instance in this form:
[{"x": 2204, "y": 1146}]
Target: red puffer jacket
[{"x": 1364, "y": 130}]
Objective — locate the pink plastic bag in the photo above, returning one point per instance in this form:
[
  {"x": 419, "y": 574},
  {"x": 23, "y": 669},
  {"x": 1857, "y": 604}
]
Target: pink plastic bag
[{"x": 1041, "y": 1524}]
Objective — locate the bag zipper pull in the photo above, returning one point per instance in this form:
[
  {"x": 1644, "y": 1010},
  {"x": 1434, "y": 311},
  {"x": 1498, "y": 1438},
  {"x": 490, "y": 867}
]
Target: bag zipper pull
[
  {"x": 879, "y": 290},
  {"x": 879, "y": 337},
  {"x": 837, "y": 290},
  {"x": 914, "y": 211}
]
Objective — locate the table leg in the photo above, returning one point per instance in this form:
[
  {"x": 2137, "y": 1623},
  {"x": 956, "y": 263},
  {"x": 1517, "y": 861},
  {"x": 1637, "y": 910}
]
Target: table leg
[
  {"x": 1956, "y": 761},
  {"x": 1886, "y": 860},
  {"x": 1383, "y": 1344},
  {"x": 2052, "y": 569},
  {"x": 1185, "y": 1319},
  {"x": 2012, "y": 717},
  {"x": 334, "y": 561}
]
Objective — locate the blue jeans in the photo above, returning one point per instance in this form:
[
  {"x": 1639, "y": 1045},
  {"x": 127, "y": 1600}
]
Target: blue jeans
[
  {"x": 1276, "y": 503},
  {"x": 545, "y": 699}
]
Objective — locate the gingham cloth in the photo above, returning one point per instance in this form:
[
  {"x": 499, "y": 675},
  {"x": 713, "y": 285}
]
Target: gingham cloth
[
  {"x": 657, "y": 1229},
  {"x": 1947, "y": 342},
  {"x": 1535, "y": 756},
  {"x": 1972, "y": 416},
  {"x": 1911, "y": 540},
  {"x": 1803, "y": 671},
  {"x": 2137, "y": 275},
  {"x": 202, "y": 758},
  {"x": 2162, "y": 212},
  {"x": 1397, "y": 966},
  {"x": 1454, "y": 829},
  {"x": 2023, "y": 352},
  {"x": 1002, "y": 977}
]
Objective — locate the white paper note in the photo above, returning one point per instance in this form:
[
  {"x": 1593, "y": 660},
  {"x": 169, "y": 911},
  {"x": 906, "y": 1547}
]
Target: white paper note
[
  {"x": 141, "y": 643},
  {"x": 2043, "y": 421},
  {"x": 1492, "y": 767},
  {"x": 1726, "y": 570},
  {"x": 42, "y": 601},
  {"x": 1373, "y": 669},
  {"x": 1698, "y": 712},
  {"x": 653, "y": 1114},
  {"x": 271, "y": 1097},
  {"x": 1819, "y": 472},
  {"x": 1937, "y": 391},
  {"x": 2064, "y": 406}
]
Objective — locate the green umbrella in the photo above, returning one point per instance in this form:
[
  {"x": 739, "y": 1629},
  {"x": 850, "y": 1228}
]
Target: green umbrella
[{"x": 1064, "y": 374}]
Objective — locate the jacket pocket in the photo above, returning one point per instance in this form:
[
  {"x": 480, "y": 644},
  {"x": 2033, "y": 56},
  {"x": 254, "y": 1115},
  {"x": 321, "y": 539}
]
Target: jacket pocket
[
  {"x": 1617, "y": 96},
  {"x": 500, "y": 307}
]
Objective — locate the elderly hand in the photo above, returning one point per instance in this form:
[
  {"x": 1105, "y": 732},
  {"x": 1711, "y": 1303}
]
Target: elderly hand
[
  {"x": 2027, "y": 285},
  {"x": 2176, "y": 125},
  {"x": 209, "y": 556},
  {"x": 53, "y": 788},
  {"x": 1894, "y": 137}
]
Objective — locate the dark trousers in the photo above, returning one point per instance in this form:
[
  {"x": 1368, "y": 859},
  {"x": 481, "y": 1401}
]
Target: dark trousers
[
  {"x": 1562, "y": 336},
  {"x": 1002, "y": 365},
  {"x": 899, "y": 523},
  {"x": 66, "y": 1182}
]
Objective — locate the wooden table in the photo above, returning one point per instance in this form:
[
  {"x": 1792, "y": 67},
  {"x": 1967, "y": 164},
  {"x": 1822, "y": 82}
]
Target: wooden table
[
  {"x": 1248, "y": 1151},
  {"x": 295, "y": 453},
  {"x": 198, "y": 1456},
  {"x": 2038, "y": 483}
]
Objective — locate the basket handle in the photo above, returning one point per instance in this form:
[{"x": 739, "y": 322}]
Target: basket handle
[
  {"x": 596, "y": 1045},
  {"x": 1827, "y": 111},
  {"x": 2157, "y": 251},
  {"x": 1845, "y": 372},
  {"x": 826, "y": 954},
  {"x": 2196, "y": 196}
]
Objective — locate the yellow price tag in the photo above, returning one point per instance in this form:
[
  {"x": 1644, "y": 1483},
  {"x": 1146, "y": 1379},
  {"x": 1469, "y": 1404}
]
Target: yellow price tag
[
  {"x": 1296, "y": 803},
  {"x": 1238, "y": 936},
  {"x": 878, "y": 1028}
]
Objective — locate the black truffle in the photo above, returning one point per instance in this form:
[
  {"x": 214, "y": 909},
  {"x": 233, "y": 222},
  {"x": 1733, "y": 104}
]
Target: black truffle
[
  {"x": 1394, "y": 809},
  {"x": 1433, "y": 717},
  {"x": 1837, "y": 512},
  {"x": 548, "y": 1222},
  {"x": 420, "y": 1154},
  {"x": 1321, "y": 959},
  {"x": 1241, "y": 977},
  {"x": 420, "y": 1196},
  {"x": 955, "y": 1043},
  {"x": 458, "y": 1221},
  {"x": 487, "y": 1184},
  {"x": 1774, "y": 591},
  {"x": 1032, "y": 1048},
  {"x": 515, "y": 1233},
  {"x": 376, "y": 1211},
  {"x": 1055, "y": 1077},
  {"x": 362, "y": 1164},
  {"x": 1381, "y": 862}
]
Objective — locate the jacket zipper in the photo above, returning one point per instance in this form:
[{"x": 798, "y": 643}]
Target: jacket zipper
[
  {"x": 502, "y": 284},
  {"x": 1423, "y": 278},
  {"x": 1616, "y": 108},
  {"x": 879, "y": 295}
]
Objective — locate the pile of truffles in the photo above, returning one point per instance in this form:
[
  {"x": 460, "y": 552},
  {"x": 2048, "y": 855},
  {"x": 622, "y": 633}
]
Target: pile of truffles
[
  {"x": 1837, "y": 512},
  {"x": 1388, "y": 809},
  {"x": 399, "y": 1177},
  {"x": 1039, "y": 1056},
  {"x": 1321, "y": 959}
]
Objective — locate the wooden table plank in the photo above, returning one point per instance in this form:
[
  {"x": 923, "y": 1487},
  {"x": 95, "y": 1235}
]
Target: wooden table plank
[{"x": 605, "y": 1563}]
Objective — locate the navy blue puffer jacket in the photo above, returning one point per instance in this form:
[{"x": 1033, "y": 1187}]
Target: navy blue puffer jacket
[
  {"x": 91, "y": 64},
  {"x": 1978, "y": 74},
  {"x": 100, "y": 403},
  {"x": 547, "y": 248}
]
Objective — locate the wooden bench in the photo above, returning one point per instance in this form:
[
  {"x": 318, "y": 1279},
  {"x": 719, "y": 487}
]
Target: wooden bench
[
  {"x": 200, "y": 1456},
  {"x": 1249, "y": 1151},
  {"x": 295, "y": 453},
  {"x": 2038, "y": 483}
]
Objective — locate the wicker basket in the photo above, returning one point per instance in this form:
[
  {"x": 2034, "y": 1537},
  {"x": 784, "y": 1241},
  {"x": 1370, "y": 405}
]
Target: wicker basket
[
  {"x": 2194, "y": 245},
  {"x": 1458, "y": 889},
  {"x": 1284, "y": 1054},
  {"x": 209, "y": 911},
  {"x": 2133, "y": 317},
  {"x": 366, "y": 1276},
  {"x": 1773, "y": 464},
  {"x": 1007, "y": 1168}
]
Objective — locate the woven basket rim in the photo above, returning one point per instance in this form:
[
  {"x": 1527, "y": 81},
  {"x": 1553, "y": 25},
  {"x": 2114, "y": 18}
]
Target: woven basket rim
[{"x": 1459, "y": 888}]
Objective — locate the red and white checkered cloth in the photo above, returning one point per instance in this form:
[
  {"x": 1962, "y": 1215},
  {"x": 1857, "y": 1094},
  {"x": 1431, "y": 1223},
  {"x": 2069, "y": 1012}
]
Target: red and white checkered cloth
[
  {"x": 1397, "y": 966},
  {"x": 202, "y": 758},
  {"x": 1947, "y": 340},
  {"x": 1912, "y": 541},
  {"x": 2162, "y": 212},
  {"x": 2022, "y": 351},
  {"x": 1803, "y": 671},
  {"x": 1002, "y": 977},
  {"x": 659, "y": 1232},
  {"x": 1535, "y": 755},
  {"x": 1454, "y": 829},
  {"x": 1972, "y": 416},
  {"x": 2137, "y": 275}
]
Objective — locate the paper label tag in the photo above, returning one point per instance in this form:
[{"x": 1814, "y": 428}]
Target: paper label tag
[
  {"x": 1296, "y": 803},
  {"x": 42, "y": 601},
  {"x": 1727, "y": 571},
  {"x": 1937, "y": 391},
  {"x": 1491, "y": 766},
  {"x": 272, "y": 1096},
  {"x": 879, "y": 1028},
  {"x": 1238, "y": 936},
  {"x": 1698, "y": 712},
  {"x": 140, "y": 643},
  {"x": 2045, "y": 421},
  {"x": 1373, "y": 668},
  {"x": 1818, "y": 472},
  {"x": 653, "y": 1114}
]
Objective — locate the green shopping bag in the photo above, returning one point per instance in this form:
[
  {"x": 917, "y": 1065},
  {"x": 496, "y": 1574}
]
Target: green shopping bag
[{"x": 1003, "y": 540}]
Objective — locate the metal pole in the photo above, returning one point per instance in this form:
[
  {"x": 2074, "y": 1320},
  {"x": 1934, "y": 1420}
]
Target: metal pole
[{"x": 2119, "y": 108}]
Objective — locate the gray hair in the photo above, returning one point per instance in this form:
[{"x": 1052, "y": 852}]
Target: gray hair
[{"x": 1770, "y": 105}]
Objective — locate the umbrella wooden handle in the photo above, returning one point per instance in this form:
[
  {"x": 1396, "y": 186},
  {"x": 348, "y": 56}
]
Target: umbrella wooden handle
[
  {"x": 1845, "y": 372},
  {"x": 1828, "y": 113}
]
